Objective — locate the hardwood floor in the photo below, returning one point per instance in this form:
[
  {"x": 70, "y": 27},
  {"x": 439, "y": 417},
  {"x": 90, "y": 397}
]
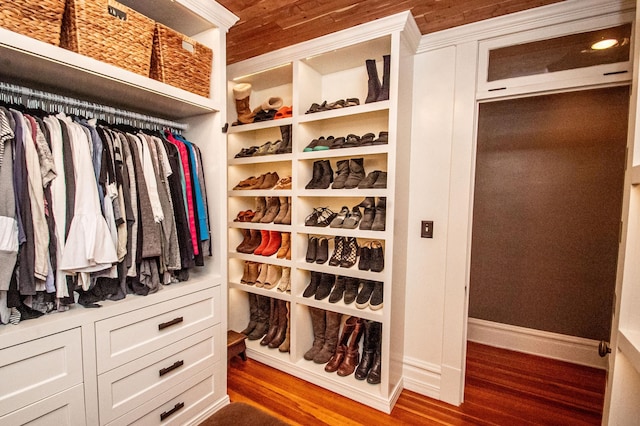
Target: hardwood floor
[{"x": 502, "y": 388}]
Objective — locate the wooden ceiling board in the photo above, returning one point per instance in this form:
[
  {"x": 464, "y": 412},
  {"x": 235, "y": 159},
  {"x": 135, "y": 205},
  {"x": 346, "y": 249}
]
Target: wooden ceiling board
[{"x": 267, "y": 25}]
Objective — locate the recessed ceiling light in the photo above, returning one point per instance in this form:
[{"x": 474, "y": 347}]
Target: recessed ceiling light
[{"x": 604, "y": 44}]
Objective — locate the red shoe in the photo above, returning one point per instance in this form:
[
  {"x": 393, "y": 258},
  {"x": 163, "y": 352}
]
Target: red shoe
[
  {"x": 264, "y": 243},
  {"x": 275, "y": 239}
]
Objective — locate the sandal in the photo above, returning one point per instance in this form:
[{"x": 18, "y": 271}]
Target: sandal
[
  {"x": 352, "y": 102},
  {"x": 353, "y": 219},
  {"x": 339, "y": 219},
  {"x": 337, "y": 104}
]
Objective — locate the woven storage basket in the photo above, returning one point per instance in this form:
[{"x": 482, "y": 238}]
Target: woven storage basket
[
  {"x": 40, "y": 19},
  {"x": 109, "y": 32},
  {"x": 181, "y": 61}
]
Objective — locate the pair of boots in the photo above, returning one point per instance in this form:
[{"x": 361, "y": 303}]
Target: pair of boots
[
  {"x": 241, "y": 94},
  {"x": 349, "y": 174},
  {"x": 322, "y": 175},
  {"x": 279, "y": 331},
  {"x": 376, "y": 91},
  {"x": 345, "y": 252},
  {"x": 264, "y": 181},
  {"x": 371, "y": 257},
  {"x": 272, "y": 209},
  {"x": 375, "y": 214},
  {"x": 270, "y": 243},
  {"x": 320, "y": 285},
  {"x": 370, "y": 365},
  {"x": 317, "y": 250},
  {"x": 269, "y": 276},
  {"x": 251, "y": 240},
  {"x": 347, "y": 355},
  {"x": 326, "y": 327}
]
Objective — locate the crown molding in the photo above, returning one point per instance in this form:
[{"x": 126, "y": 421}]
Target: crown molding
[{"x": 212, "y": 12}]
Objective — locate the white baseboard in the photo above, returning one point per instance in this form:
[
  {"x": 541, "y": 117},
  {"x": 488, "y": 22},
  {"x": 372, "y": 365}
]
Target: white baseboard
[
  {"x": 572, "y": 349},
  {"x": 421, "y": 377}
]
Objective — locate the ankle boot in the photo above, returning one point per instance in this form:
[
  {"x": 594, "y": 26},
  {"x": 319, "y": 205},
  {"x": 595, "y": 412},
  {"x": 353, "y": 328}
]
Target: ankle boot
[
  {"x": 318, "y": 324},
  {"x": 316, "y": 175},
  {"x": 338, "y": 357},
  {"x": 264, "y": 238},
  {"x": 262, "y": 323},
  {"x": 284, "y": 245},
  {"x": 364, "y": 264},
  {"x": 330, "y": 338},
  {"x": 286, "y": 343},
  {"x": 380, "y": 218},
  {"x": 349, "y": 253},
  {"x": 374, "y": 85},
  {"x": 312, "y": 249},
  {"x": 356, "y": 173},
  {"x": 325, "y": 286},
  {"x": 371, "y": 339},
  {"x": 262, "y": 275},
  {"x": 286, "y": 146},
  {"x": 272, "y": 210},
  {"x": 338, "y": 290},
  {"x": 241, "y": 94},
  {"x": 326, "y": 176},
  {"x": 285, "y": 280},
  {"x": 254, "y": 243},
  {"x": 369, "y": 213},
  {"x": 377, "y": 257},
  {"x": 261, "y": 207},
  {"x": 253, "y": 314},
  {"x": 352, "y": 355},
  {"x": 284, "y": 210},
  {"x": 243, "y": 247},
  {"x": 282, "y": 324},
  {"x": 342, "y": 173},
  {"x": 275, "y": 239},
  {"x": 245, "y": 272},
  {"x": 273, "y": 323},
  {"x": 252, "y": 272},
  {"x": 322, "y": 254},
  {"x": 350, "y": 289},
  {"x": 273, "y": 277},
  {"x": 270, "y": 180},
  {"x": 338, "y": 249},
  {"x": 386, "y": 78},
  {"x": 313, "y": 284}
]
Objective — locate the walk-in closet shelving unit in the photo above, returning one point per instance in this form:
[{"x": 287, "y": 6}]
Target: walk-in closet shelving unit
[
  {"x": 328, "y": 69},
  {"x": 100, "y": 366}
]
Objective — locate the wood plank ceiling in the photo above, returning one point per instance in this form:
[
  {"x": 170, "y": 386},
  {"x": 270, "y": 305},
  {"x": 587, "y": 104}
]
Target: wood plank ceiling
[{"x": 267, "y": 25}]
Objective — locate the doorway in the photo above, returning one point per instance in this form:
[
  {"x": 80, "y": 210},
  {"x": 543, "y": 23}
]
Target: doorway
[{"x": 547, "y": 206}]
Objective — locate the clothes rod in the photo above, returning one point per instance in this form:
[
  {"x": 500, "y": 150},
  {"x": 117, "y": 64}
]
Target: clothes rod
[{"x": 80, "y": 107}]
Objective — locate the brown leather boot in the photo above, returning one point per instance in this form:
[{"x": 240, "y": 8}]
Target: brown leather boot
[
  {"x": 286, "y": 344},
  {"x": 262, "y": 322},
  {"x": 273, "y": 208},
  {"x": 243, "y": 247},
  {"x": 273, "y": 322},
  {"x": 283, "y": 324},
  {"x": 261, "y": 207},
  {"x": 284, "y": 246},
  {"x": 338, "y": 357},
  {"x": 352, "y": 356},
  {"x": 284, "y": 210},
  {"x": 330, "y": 338},
  {"x": 318, "y": 323},
  {"x": 253, "y": 314},
  {"x": 254, "y": 243}
]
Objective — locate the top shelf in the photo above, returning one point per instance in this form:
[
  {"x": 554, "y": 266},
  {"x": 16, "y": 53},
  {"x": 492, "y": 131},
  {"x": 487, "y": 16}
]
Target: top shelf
[{"x": 26, "y": 61}]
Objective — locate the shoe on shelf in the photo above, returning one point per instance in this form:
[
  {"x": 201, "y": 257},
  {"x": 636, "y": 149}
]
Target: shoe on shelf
[
  {"x": 270, "y": 180},
  {"x": 260, "y": 209},
  {"x": 364, "y": 295},
  {"x": 317, "y": 107},
  {"x": 370, "y": 180},
  {"x": 340, "y": 217},
  {"x": 367, "y": 139},
  {"x": 342, "y": 174},
  {"x": 325, "y": 217},
  {"x": 353, "y": 219},
  {"x": 349, "y": 252},
  {"x": 285, "y": 280},
  {"x": 356, "y": 173},
  {"x": 264, "y": 237},
  {"x": 313, "y": 144},
  {"x": 351, "y": 287},
  {"x": 281, "y": 218},
  {"x": 263, "y": 149},
  {"x": 324, "y": 288},
  {"x": 312, "y": 249},
  {"x": 338, "y": 289},
  {"x": 322, "y": 175},
  {"x": 262, "y": 275},
  {"x": 340, "y": 103},
  {"x": 381, "y": 181},
  {"x": 376, "y": 261},
  {"x": 338, "y": 248},
  {"x": 375, "y": 302},
  {"x": 364, "y": 264},
  {"x": 379, "y": 221},
  {"x": 285, "y": 245},
  {"x": 272, "y": 210},
  {"x": 244, "y": 245},
  {"x": 352, "y": 102},
  {"x": 369, "y": 213},
  {"x": 312, "y": 287},
  {"x": 351, "y": 141},
  {"x": 283, "y": 183},
  {"x": 275, "y": 240},
  {"x": 324, "y": 144},
  {"x": 383, "y": 138},
  {"x": 322, "y": 253}
]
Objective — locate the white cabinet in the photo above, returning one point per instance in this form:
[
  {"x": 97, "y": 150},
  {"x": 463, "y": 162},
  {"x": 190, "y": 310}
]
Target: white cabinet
[
  {"x": 327, "y": 69},
  {"x": 146, "y": 359}
]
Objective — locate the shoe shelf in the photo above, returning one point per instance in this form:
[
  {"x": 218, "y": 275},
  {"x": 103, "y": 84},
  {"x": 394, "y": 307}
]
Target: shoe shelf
[{"x": 329, "y": 74}]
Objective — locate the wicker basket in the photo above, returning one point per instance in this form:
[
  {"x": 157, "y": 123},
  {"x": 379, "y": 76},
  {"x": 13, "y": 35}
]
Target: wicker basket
[
  {"x": 37, "y": 19},
  {"x": 181, "y": 61},
  {"x": 109, "y": 32}
]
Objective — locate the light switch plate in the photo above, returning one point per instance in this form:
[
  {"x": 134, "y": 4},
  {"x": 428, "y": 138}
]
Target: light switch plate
[{"x": 427, "y": 229}]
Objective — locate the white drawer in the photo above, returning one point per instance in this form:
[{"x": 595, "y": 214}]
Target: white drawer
[
  {"x": 127, "y": 387},
  {"x": 129, "y": 336},
  {"x": 182, "y": 403},
  {"x": 62, "y": 409},
  {"x": 39, "y": 368}
]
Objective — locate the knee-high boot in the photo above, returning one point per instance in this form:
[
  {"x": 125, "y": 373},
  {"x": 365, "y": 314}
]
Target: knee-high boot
[{"x": 318, "y": 323}]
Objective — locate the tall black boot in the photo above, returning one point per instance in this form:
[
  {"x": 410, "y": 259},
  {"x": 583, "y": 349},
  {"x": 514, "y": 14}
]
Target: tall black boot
[
  {"x": 262, "y": 325},
  {"x": 371, "y": 339},
  {"x": 374, "y": 376},
  {"x": 374, "y": 82},
  {"x": 386, "y": 82},
  {"x": 318, "y": 324},
  {"x": 273, "y": 321},
  {"x": 253, "y": 314}
]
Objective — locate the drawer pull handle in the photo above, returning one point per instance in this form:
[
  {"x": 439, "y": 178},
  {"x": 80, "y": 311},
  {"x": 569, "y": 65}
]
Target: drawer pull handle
[
  {"x": 166, "y": 414},
  {"x": 170, "y": 323},
  {"x": 175, "y": 365}
]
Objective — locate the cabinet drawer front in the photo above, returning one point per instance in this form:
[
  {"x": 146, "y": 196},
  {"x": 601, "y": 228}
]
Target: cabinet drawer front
[
  {"x": 129, "y": 336},
  {"x": 62, "y": 409},
  {"x": 127, "y": 387},
  {"x": 182, "y": 402},
  {"x": 36, "y": 369}
]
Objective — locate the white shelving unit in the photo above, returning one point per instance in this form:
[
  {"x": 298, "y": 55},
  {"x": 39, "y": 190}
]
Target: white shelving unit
[
  {"x": 328, "y": 69},
  {"x": 197, "y": 338}
]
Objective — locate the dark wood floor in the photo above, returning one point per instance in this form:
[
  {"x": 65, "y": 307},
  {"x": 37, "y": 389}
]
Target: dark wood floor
[{"x": 502, "y": 388}]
